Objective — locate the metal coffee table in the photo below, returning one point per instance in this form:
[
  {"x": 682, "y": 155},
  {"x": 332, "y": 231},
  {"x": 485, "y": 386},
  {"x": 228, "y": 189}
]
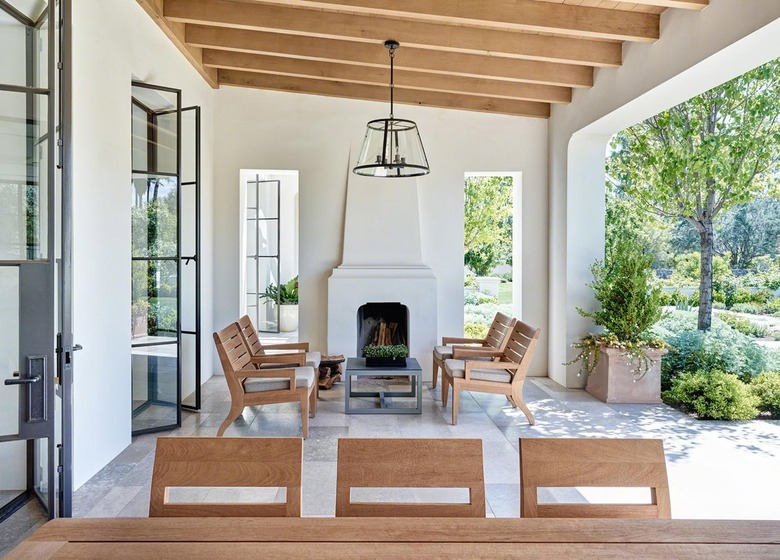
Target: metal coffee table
[{"x": 356, "y": 367}]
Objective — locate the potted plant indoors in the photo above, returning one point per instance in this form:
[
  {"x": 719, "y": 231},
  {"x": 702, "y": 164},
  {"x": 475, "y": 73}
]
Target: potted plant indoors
[
  {"x": 623, "y": 363},
  {"x": 386, "y": 356},
  {"x": 287, "y": 296}
]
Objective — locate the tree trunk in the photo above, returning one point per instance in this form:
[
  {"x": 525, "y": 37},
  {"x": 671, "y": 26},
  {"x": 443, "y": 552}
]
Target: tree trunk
[{"x": 705, "y": 285}]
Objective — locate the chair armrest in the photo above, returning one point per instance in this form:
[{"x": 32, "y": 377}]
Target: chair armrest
[
  {"x": 288, "y": 358},
  {"x": 472, "y": 364},
  {"x": 466, "y": 352},
  {"x": 285, "y": 373},
  {"x": 455, "y": 340},
  {"x": 287, "y": 346}
]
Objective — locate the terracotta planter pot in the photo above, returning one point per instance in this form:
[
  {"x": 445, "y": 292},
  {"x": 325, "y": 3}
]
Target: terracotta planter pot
[{"x": 613, "y": 379}]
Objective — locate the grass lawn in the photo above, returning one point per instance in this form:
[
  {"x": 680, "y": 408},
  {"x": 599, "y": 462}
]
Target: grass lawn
[{"x": 505, "y": 292}]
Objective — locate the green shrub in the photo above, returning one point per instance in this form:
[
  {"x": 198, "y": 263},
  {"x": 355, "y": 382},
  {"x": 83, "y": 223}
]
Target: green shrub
[
  {"x": 713, "y": 395},
  {"x": 751, "y": 308},
  {"x": 772, "y": 307},
  {"x": 744, "y": 326},
  {"x": 743, "y": 295},
  {"x": 720, "y": 348},
  {"x": 625, "y": 289},
  {"x": 693, "y": 299},
  {"x": 761, "y": 297},
  {"x": 771, "y": 359},
  {"x": 387, "y": 351},
  {"x": 475, "y": 330},
  {"x": 718, "y": 305},
  {"x": 766, "y": 387},
  {"x": 478, "y": 298}
]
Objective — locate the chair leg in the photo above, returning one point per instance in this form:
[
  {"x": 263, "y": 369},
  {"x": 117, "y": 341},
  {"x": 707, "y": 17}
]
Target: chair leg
[
  {"x": 313, "y": 400},
  {"x": 435, "y": 372},
  {"x": 445, "y": 389},
  {"x": 305, "y": 414},
  {"x": 517, "y": 397},
  {"x": 233, "y": 414},
  {"x": 455, "y": 402}
]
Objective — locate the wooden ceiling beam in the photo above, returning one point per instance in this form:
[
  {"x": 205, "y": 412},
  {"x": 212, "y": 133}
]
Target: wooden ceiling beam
[
  {"x": 376, "y": 29},
  {"x": 681, "y": 4},
  {"x": 408, "y": 58},
  {"x": 175, "y": 32},
  {"x": 517, "y": 15},
  {"x": 379, "y": 93},
  {"x": 404, "y": 79}
]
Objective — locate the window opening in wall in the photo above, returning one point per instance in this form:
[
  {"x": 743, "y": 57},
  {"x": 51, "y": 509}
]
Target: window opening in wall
[
  {"x": 490, "y": 249},
  {"x": 269, "y": 251}
]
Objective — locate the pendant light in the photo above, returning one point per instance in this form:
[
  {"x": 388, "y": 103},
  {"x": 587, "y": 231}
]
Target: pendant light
[{"x": 392, "y": 147}]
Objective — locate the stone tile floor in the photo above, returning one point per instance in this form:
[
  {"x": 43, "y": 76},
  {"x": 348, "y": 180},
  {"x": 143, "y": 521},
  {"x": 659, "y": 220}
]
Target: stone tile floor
[{"x": 727, "y": 470}]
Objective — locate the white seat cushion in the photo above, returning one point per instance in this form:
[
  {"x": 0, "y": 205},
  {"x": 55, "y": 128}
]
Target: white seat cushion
[
  {"x": 304, "y": 377},
  {"x": 442, "y": 352},
  {"x": 457, "y": 368}
]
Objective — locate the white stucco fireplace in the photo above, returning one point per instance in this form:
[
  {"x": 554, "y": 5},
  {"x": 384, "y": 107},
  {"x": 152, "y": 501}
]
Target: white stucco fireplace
[{"x": 382, "y": 262}]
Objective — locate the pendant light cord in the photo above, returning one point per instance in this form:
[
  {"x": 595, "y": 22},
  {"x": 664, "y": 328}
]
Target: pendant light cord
[{"x": 392, "y": 86}]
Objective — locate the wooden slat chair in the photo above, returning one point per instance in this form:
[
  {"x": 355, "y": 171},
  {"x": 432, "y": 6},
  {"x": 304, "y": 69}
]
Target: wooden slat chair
[
  {"x": 250, "y": 386},
  {"x": 495, "y": 340},
  {"x": 227, "y": 462},
  {"x": 410, "y": 463},
  {"x": 504, "y": 376},
  {"x": 259, "y": 350},
  {"x": 566, "y": 463}
]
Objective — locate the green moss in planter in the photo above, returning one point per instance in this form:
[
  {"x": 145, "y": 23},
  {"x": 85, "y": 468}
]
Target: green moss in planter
[{"x": 386, "y": 356}]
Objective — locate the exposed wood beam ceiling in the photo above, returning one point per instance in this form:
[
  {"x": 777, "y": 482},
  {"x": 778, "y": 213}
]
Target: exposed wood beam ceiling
[{"x": 510, "y": 56}]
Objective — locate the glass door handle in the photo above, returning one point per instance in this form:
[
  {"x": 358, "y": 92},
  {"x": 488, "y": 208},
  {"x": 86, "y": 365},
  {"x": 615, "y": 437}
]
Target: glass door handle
[{"x": 19, "y": 381}]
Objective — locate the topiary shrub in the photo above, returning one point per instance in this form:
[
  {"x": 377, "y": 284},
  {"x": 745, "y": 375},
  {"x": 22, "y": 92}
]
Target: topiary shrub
[
  {"x": 766, "y": 387},
  {"x": 720, "y": 348},
  {"x": 713, "y": 395}
]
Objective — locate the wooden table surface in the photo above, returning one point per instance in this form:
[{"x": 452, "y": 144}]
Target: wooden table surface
[{"x": 397, "y": 538}]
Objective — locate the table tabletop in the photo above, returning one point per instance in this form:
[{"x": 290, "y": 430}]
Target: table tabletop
[
  {"x": 358, "y": 365},
  {"x": 397, "y": 538}
]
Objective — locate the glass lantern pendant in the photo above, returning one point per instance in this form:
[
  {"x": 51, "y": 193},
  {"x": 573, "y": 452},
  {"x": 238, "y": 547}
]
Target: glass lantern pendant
[{"x": 392, "y": 147}]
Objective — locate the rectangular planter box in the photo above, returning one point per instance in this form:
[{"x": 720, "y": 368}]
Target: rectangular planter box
[
  {"x": 613, "y": 380},
  {"x": 386, "y": 362}
]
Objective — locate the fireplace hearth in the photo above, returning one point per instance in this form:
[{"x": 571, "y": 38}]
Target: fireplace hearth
[{"x": 382, "y": 324}]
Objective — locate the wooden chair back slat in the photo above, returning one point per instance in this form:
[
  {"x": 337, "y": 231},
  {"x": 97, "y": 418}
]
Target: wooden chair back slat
[
  {"x": 568, "y": 463},
  {"x": 410, "y": 463},
  {"x": 500, "y": 328},
  {"x": 227, "y": 462},
  {"x": 250, "y": 335}
]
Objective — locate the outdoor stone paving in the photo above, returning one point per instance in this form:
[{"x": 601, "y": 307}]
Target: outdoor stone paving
[{"x": 728, "y": 470}]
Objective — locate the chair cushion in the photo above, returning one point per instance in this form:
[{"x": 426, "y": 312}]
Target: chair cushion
[
  {"x": 442, "y": 352},
  {"x": 457, "y": 368},
  {"x": 304, "y": 377},
  {"x": 313, "y": 359}
]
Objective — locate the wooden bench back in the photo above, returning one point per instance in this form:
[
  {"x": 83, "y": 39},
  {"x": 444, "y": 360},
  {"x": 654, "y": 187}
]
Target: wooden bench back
[
  {"x": 410, "y": 463},
  {"x": 564, "y": 462},
  {"x": 227, "y": 462},
  {"x": 249, "y": 333},
  {"x": 498, "y": 334}
]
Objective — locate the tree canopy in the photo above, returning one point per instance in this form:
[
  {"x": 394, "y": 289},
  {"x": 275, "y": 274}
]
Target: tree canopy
[
  {"x": 487, "y": 227},
  {"x": 703, "y": 157}
]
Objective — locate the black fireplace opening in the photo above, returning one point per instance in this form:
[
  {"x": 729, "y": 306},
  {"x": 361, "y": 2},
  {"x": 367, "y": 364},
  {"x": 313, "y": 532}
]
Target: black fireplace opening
[{"x": 382, "y": 324}]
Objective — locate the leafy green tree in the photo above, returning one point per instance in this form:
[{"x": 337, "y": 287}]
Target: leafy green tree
[
  {"x": 487, "y": 227},
  {"x": 625, "y": 219},
  {"x": 748, "y": 231},
  {"x": 702, "y": 157}
]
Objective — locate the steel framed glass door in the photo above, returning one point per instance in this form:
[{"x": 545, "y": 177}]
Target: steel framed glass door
[
  {"x": 263, "y": 209},
  {"x": 29, "y": 250},
  {"x": 156, "y": 258}
]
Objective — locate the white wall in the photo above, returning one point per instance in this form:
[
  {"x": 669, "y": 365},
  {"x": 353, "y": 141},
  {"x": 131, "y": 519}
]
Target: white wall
[
  {"x": 112, "y": 42},
  {"x": 263, "y": 129},
  {"x": 697, "y": 51}
]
